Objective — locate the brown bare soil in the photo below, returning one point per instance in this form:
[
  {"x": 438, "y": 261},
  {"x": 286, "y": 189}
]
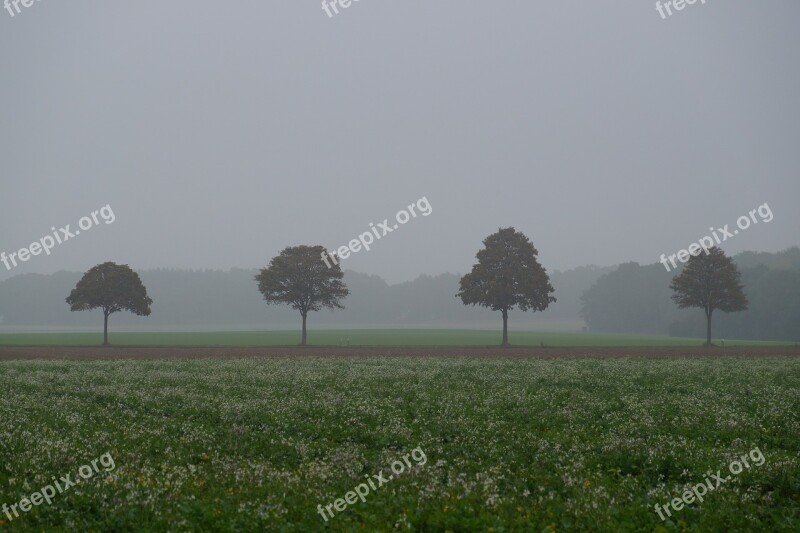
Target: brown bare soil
[{"x": 142, "y": 352}]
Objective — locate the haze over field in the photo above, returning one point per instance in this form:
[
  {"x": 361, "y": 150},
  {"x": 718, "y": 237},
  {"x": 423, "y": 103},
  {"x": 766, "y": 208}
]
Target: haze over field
[
  {"x": 628, "y": 299},
  {"x": 220, "y": 134},
  {"x": 258, "y": 256}
]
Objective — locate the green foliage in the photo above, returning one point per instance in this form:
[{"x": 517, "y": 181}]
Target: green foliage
[
  {"x": 773, "y": 309},
  {"x": 299, "y": 278},
  {"x": 637, "y": 299},
  {"x": 112, "y": 288},
  {"x": 511, "y": 444},
  {"x": 214, "y": 299},
  {"x": 710, "y": 281},
  {"x": 506, "y": 275}
]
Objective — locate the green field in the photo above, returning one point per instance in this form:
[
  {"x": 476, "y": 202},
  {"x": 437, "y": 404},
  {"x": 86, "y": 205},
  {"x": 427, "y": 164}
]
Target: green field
[
  {"x": 359, "y": 337},
  {"x": 509, "y": 445}
]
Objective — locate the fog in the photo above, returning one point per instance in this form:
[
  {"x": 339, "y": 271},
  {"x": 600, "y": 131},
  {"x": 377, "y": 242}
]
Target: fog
[{"x": 220, "y": 133}]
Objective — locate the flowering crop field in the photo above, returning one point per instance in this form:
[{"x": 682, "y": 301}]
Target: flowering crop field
[{"x": 510, "y": 444}]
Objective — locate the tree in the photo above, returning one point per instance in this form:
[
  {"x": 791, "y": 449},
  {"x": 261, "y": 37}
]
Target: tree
[
  {"x": 299, "y": 278},
  {"x": 112, "y": 288},
  {"x": 709, "y": 281},
  {"x": 507, "y": 274}
]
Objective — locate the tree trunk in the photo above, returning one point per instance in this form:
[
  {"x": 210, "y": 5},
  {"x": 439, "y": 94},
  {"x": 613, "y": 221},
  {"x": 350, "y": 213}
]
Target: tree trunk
[
  {"x": 708, "y": 329},
  {"x": 105, "y": 329},
  {"x": 505, "y": 328},
  {"x": 303, "y": 342}
]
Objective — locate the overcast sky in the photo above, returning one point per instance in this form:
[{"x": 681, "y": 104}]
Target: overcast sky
[{"x": 221, "y": 132}]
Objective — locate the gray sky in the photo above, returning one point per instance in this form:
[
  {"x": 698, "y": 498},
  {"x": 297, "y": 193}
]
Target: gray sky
[{"x": 220, "y": 133}]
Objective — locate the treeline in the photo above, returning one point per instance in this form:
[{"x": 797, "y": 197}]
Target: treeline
[
  {"x": 630, "y": 298},
  {"x": 636, "y": 299},
  {"x": 211, "y": 299}
]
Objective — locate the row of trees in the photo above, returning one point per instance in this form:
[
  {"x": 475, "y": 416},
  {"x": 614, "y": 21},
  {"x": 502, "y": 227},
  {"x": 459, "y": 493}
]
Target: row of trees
[{"x": 507, "y": 276}]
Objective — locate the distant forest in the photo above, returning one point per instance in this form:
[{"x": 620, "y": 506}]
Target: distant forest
[
  {"x": 636, "y": 299},
  {"x": 629, "y": 298}
]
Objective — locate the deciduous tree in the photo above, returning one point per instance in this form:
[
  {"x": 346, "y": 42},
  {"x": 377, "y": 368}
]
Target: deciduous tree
[
  {"x": 709, "y": 281},
  {"x": 112, "y": 288},
  {"x": 507, "y": 275},
  {"x": 299, "y": 278}
]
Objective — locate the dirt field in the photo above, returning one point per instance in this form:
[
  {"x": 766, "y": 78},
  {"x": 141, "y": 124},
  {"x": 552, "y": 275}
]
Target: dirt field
[{"x": 142, "y": 352}]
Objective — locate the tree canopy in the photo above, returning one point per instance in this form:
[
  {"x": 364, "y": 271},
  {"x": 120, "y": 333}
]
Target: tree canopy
[
  {"x": 299, "y": 278},
  {"x": 507, "y": 275},
  {"x": 112, "y": 288},
  {"x": 710, "y": 281}
]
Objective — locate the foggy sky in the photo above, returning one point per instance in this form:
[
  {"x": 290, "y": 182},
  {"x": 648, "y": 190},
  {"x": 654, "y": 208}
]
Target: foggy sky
[{"x": 222, "y": 132}]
